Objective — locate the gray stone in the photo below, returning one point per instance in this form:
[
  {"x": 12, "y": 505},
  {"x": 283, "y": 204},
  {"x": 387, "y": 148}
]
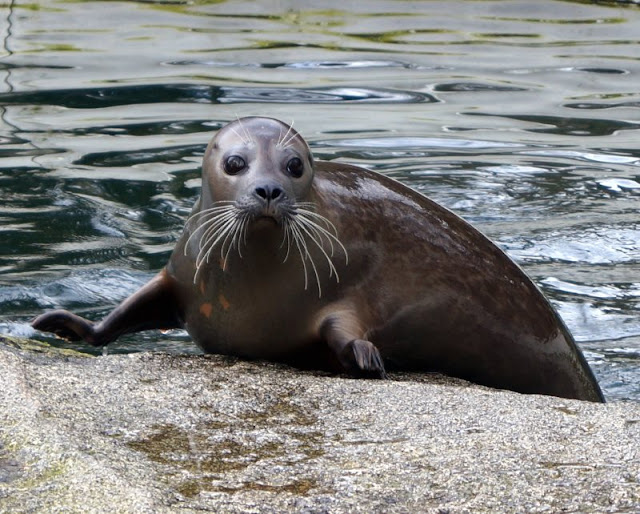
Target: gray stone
[{"x": 163, "y": 433}]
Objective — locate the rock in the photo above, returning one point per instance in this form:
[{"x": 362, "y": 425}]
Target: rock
[{"x": 159, "y": 433}]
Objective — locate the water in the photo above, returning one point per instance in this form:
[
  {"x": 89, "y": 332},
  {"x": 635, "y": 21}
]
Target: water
[{"x": 523, "y": 117}]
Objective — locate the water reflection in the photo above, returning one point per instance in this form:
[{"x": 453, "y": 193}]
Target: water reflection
[
  {"x": 521, "y": 116},
  {"x": 569, "y": 126},
  {"x": 126, "y": 95}
]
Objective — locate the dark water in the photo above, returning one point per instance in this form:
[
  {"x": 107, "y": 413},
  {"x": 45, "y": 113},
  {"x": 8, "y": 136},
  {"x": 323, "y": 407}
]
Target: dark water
[{"x": 523, "y": 117}]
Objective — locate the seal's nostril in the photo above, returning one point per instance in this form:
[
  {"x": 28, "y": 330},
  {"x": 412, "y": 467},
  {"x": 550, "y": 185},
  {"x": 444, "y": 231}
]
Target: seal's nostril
[{"x": 268, "y": 193}]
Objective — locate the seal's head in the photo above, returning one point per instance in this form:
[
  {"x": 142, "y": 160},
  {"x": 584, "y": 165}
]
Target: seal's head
[
  {"x": 257, "y": 175},
  {"x": 261, "y": 165}
]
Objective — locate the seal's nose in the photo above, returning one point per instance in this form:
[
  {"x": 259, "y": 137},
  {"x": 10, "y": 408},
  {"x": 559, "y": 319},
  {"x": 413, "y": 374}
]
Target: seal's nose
[{"x": 268, "y": 192}]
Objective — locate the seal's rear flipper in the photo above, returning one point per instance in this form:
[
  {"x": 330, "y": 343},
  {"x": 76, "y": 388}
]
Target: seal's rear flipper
[{"x": 151, "y": 307}]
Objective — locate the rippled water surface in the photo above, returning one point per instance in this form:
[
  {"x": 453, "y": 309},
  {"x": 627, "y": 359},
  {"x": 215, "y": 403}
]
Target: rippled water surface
[{"x": 523, "y": 117}]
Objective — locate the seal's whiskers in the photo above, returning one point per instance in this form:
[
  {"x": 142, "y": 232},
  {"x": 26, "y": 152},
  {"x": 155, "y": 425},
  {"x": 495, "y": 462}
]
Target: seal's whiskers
[
  {"x": 211, "y": 227},
  {"x": 286, "y": 238},
  {"x": 219, "y": 207},
  {"x": 223, "y": 222},
  {"x": 236, "y": 237},
  {"x": 302, "y": 225},
  {"x": 240, "y": 136},
  {"x": 215, "y": 237},
  {"x": 330, "y": 233},
  {"x": 242, "y": 234},
  {"x": 316, "y": 238},
  {"x": 224, "y": 226},
  {"x": 298, "y": 238},
  {"x": 244, "y": 129},
  {"x": 287, "y": 139},
  {"x": 211, "y": 222}
]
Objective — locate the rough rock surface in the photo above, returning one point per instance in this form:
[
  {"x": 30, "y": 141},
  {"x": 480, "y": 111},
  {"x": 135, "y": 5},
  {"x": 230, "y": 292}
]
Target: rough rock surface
[{"x": 164, "y": 433}]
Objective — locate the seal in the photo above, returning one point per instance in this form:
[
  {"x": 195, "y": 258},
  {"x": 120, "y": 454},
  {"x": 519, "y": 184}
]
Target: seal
[{"x": 329, "y": 266}]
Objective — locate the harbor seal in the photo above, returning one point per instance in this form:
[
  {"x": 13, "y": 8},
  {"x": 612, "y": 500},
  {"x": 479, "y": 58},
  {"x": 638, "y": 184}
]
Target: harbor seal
[{"x": 330, "y": 266}]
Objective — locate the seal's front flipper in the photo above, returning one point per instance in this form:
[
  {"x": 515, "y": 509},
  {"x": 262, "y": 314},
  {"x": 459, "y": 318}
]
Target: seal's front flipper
[
  {"x": 362, "y": 358},
  {"x": 153, "y": 306},
  {"x": 343, "y": 333},
  {"x": 66, "y": 325}
]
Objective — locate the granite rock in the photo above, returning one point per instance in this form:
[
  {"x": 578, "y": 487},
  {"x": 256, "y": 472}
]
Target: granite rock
[{"x": 150, "y": 432}]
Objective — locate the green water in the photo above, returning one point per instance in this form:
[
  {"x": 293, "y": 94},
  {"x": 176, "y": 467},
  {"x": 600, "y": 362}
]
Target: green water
[{"x": 523, "y": 117}]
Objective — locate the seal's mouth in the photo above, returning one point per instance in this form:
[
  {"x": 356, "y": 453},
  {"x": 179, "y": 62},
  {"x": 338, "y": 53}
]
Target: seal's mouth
[{"x": 266, "y": 219}]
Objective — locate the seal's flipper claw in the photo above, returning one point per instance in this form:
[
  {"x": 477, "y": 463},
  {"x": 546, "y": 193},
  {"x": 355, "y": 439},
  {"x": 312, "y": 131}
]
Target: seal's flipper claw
[
  {"x": 363, "y": 358},
  {"x": 342, "y": 330},
  {"x": 66, "y": 325},
  {"x": 382, "y": 374}
]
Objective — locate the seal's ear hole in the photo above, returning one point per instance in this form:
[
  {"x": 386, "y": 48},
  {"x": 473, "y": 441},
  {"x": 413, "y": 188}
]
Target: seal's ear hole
[
  {"x": 234, "y": 164},
  {"x": 295, "y": 168}
]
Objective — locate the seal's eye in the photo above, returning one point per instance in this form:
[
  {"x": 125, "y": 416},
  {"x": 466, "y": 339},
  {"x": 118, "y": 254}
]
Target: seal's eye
[
  {"x": 295, "y": 167},
  {"x": 234, "y": 164}
]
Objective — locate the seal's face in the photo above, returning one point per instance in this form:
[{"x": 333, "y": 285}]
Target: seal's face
[
  {"x": 257, "y": 175},
  {"x": 261, "y": 165}
]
